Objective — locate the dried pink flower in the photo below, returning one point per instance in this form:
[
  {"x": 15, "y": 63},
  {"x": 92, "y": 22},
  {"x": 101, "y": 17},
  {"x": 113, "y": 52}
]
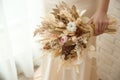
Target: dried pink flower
[{"x": 64, "y": 39}]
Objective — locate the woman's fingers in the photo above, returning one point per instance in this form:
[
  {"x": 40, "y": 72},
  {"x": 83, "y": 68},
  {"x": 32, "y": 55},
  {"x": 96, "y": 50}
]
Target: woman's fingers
[
  {"x": 100, "y": 27},
  {"x": 96, "y": 29},
  {"x": 104, "y": 27}
]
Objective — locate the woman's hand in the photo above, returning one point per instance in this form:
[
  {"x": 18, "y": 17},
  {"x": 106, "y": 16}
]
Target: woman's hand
[{"x": 100, "y": 20}]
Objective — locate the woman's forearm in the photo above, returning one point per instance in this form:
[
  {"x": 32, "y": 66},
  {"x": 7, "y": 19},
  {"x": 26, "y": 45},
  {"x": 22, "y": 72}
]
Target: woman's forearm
[{"x": 103, "y": 6}]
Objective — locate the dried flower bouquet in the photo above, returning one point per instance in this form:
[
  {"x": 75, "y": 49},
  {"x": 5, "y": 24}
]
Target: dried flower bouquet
[{"x": 66, "y": 32}]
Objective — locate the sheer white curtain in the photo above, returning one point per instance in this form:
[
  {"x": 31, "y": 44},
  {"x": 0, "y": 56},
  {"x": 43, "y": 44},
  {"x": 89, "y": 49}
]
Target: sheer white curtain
[{"x": 18, "y": 18}]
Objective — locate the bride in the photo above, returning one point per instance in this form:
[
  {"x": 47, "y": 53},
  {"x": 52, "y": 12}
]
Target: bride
[{"x": 97, "y": 10}]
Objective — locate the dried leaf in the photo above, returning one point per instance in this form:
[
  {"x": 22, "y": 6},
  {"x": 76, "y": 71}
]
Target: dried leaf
[
  {"x": 82, "y": 13},
  {"x": 74, "y": 12}
]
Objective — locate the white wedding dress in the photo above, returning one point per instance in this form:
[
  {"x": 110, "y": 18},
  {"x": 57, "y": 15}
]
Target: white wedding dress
[{"x": 49, "y": 66}]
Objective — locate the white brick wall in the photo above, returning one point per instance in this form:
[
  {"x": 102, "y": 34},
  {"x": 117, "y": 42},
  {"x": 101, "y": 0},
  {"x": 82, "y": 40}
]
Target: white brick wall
[
  {"x": 108, "y": 57},
  {"x": 108, "y": 49}
]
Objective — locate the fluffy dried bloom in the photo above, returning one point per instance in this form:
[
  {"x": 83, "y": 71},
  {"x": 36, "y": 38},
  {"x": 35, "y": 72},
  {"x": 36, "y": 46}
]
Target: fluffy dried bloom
[
  {"x": 64, "y": 39},
  {"x": 84, "y": 40},
  {"x": 74, "y": 39},
  {"x": 61, "y": 24},
  {"x": 71, "y": 26}
]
